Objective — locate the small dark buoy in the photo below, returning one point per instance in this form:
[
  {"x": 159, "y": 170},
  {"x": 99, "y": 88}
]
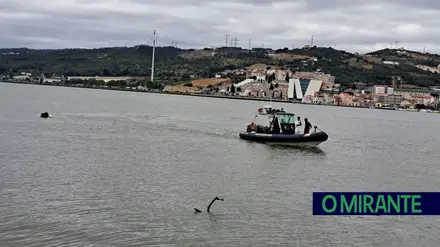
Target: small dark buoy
[
  {"x": 44, "y": 115},
  {"x": 209, "y": 206}
]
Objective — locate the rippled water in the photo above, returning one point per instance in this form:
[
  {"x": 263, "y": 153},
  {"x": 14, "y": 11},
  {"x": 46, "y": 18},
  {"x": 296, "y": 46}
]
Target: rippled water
[{"x": 127, "y": 169}]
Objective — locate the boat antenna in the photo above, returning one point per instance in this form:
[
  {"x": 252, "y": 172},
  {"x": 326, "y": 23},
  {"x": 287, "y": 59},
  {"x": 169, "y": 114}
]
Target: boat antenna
[
  {"x": 255, "y": 118},
  {"x": 152, "y": 57}
]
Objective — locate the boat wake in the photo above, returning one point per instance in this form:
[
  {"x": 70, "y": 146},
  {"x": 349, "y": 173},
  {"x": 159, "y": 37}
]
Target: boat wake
[
  {"x": 314, "y": 150},
  {"x": 190, "y": 130}
]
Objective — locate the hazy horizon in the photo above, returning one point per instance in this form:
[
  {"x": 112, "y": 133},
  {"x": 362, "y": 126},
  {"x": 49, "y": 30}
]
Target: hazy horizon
[{"x": 349, "y": 25}]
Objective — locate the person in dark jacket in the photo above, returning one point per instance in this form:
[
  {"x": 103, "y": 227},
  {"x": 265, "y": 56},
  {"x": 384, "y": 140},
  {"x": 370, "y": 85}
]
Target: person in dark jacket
[{"x": 307, "y": 126}]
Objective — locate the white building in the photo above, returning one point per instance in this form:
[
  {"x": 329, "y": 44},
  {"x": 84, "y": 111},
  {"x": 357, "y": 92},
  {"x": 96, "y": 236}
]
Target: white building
[
  {"x": 300, "y": 88},
  {"x": 382, "y": 89},
  {"x": 20, "y": 77},
  {"x": 390, "y": 62}
]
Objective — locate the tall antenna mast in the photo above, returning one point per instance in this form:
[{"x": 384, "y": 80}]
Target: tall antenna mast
[
  {"x": 250, "y": 43},
  {"x": 311, "y": 43},
  {"x": 235, "y": 41},
  {"x": 152, "y": 58},
  {"x": 226, "y": 40}
]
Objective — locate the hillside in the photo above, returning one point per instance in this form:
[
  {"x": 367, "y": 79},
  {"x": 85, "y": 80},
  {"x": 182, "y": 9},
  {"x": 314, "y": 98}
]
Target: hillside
[{"x": 175, "y": 65}]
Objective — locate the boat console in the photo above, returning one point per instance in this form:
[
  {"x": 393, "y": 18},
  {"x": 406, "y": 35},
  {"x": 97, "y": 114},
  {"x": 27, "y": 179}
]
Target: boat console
[{"x": 288, "y": 128}]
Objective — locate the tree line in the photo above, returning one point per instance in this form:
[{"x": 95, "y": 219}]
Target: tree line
[{"x": 116, "y": 83}]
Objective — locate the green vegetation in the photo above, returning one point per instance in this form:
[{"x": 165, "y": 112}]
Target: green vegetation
[
  {"x": 115, "y": 83},
  {"x": 175, "y": 65}
]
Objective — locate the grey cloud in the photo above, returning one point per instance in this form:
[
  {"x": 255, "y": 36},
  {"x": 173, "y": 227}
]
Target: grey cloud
[{"x": 350, "y": 24}]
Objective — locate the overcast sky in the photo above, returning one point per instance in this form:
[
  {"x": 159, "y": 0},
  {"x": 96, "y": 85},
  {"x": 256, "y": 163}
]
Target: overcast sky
[{"x": 351, "y": 25}]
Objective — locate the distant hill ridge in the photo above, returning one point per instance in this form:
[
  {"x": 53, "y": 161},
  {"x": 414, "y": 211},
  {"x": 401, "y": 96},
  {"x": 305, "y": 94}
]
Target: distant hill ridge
[{"x": 174, "y": 65}]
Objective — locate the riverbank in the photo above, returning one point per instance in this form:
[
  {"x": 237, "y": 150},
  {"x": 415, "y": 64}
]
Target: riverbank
[
  {"x": 205, "y": 95},
  {"x": 278, "y": 101}
]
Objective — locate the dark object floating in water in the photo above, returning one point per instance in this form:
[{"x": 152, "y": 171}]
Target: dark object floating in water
[
  {"x": 44, "y": 115},
  {"x": 209, "y": 206},
  {"x": 280, "y": 130}
]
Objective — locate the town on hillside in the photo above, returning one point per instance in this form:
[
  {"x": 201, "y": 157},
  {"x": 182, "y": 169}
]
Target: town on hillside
[
  {"x": 312, "y": 88},
  {"x": 387, "y": 79}
]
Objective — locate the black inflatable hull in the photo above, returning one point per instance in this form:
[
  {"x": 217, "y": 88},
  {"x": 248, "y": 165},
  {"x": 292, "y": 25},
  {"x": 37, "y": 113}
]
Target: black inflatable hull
[{"x": 300, "y": 140}]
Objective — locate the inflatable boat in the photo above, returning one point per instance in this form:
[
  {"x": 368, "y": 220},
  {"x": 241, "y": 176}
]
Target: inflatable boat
[
  {"x": 281, "y": 131},
  {"x": 308, "y": 140}
]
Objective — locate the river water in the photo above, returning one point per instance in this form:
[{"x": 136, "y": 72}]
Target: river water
[{"x": 126, "y": 169}]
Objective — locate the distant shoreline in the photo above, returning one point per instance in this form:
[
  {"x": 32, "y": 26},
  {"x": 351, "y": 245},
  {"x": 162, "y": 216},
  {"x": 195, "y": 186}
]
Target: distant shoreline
[{"x": 202, "y": 95}]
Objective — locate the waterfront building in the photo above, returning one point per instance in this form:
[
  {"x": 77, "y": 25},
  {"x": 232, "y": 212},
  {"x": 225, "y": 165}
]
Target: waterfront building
[
  {"x": 382, "y": 89},
  {"x": 389, "y": 100},
  {"x": 299, "y": 88},
  {"x": 346, "y": 99}
]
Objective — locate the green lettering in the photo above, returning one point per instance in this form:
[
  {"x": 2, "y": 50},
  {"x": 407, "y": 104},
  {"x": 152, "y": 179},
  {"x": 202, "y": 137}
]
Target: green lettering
[
  {"x": 396, "y": 206},
  {"x": 360, "y": 204},
  {"x": 405, "y": 202},
  {"x": 367, "y": 203},
  {"x": 349, "y": 208},
  {"x": 334, "y": 204},
  {"x": 414, "y": 204},
  {"x": 380, "y": 204}
]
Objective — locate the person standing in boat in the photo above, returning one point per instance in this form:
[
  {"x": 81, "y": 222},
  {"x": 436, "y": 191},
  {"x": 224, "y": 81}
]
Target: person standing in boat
[
  {"x": 298, "y": 125},
  {"x": 307, "y": 126}
]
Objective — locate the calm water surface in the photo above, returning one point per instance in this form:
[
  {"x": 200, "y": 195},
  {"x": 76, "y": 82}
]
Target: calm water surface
[{"x": 127, "y": 169}]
